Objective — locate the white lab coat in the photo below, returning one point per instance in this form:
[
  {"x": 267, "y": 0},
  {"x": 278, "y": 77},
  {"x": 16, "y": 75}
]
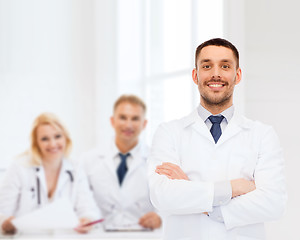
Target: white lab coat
[
  {"x": 119, "y": 205},
  {"x": 19, "y": 190},
  {"x": 246, "y": 149}
]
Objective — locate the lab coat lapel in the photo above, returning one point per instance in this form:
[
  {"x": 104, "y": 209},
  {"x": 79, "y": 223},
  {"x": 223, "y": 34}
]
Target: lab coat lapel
[
  {"x": 135, "y": 163},
  {"x": 198, "y": 125},
  {"x": 105, "y": 155},
  {"x": 109, "y": 154},
  {"x": 64, "y": 177},
  {"x": 109, "y": 163},
  {"x": 139, "y": 158},
  {"x": 235, "y": 126},
  {"x": 42, "y": 179}
]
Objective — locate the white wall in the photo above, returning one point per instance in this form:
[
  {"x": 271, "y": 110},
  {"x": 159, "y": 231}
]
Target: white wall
[
  {"x": 271, "y": 86},
  {"x": 105, "y": 84},
  {"x": 56, "y": 56},
  {"x": 234, "y": 31}
]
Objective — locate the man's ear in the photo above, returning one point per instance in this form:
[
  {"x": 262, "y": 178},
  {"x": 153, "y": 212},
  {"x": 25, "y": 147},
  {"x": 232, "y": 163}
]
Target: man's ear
[
  {"x": 195, "y": 76},
  {"x": 238, "y": 76},
  {"x": 145, "y": 123},
  {"x": 112, "y": 121}
]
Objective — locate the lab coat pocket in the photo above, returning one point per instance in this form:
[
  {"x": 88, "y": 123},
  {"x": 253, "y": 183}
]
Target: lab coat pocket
[
  {"x": 28, "y": 201},
  {"x": 242, "y": 163},
  {"x": 29, "y": 195}
]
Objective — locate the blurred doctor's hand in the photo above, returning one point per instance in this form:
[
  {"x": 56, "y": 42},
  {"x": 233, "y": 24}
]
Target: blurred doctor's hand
[
  {"x": 150, "y": 220},
  {"x": 8, "y": 227},
  {"x": 81, "y": 228}
]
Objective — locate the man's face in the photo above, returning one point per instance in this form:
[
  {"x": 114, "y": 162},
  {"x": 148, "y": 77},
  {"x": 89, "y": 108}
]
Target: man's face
[
  {"x": 216, "y": 76},
  {"x": 128, "y": 121}
]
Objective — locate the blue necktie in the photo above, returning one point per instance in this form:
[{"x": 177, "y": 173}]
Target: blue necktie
[
  {"x": 122, "y": 169},
  {"x": 216, "y": 128}
]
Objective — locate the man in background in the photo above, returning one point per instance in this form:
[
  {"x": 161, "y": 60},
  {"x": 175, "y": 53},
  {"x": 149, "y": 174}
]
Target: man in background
[{"x": 117, "y": 172}]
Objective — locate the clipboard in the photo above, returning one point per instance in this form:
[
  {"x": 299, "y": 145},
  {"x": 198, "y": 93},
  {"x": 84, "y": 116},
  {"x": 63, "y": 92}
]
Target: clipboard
[{"x": 125, "y": 228}]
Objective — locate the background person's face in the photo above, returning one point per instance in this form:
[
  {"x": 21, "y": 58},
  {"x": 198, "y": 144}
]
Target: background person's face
[
  {"x": 51, "y": 142},
  {"x": 128, "y": 121},
  {"x": 216, "y": 76}
]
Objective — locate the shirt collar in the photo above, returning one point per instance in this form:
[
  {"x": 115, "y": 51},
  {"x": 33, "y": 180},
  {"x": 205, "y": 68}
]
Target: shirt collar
[
  {"x": 204, "y": 113},
  {"x": 132, "y": 152}
]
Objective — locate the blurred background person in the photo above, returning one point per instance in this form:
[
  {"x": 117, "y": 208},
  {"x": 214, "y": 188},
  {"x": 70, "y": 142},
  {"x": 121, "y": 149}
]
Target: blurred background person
[
  {"x": 117, "y": 171},
  {"x": 44, "y": 174}
]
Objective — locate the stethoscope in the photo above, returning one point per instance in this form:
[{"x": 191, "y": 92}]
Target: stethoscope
[{"x": 38, "y": 184}]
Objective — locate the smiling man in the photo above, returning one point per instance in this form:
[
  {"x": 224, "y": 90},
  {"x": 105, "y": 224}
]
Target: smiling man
[
  {"x": 215, "y": 174},
  {"x": 216, "y": 74},
  {"x": 118, "y": 172}
]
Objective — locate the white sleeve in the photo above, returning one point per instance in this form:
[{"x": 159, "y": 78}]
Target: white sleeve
[
  {"x": 175, "y": 196},
  {"x": 268, "y": 201},
  {"x": 10, "y": 190},
  {"x": 85, "y": 204}
]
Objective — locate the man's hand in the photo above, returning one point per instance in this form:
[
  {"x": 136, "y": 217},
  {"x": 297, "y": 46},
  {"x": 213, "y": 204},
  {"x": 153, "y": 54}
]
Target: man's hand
[
  {"x": 8, "y": 227},
  {"x": 241, "y": 186},
  {"x": 150, "y": 220},
  {"x": 171, "y": 170}
]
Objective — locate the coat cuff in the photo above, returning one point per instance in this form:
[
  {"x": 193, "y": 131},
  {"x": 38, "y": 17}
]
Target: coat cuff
[{"x": 222, "y": 193}]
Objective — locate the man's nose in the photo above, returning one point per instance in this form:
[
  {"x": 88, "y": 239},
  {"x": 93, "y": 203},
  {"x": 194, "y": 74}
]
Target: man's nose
[
  {"x": 128, "y": 123},
  {"x": 216, "y": 74}
]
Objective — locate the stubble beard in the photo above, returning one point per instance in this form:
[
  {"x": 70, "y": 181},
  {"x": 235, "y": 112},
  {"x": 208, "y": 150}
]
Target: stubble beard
[{"x": 215, "y": 100}]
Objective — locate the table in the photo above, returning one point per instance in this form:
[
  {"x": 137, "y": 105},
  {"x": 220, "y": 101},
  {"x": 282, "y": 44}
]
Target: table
[{"x": 98, "y": 233}]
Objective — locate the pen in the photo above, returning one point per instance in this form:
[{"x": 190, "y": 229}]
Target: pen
[{"x": 94, "y": 222}]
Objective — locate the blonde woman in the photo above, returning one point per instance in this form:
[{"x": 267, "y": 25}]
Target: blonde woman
[{"x": 43, "y": 175}]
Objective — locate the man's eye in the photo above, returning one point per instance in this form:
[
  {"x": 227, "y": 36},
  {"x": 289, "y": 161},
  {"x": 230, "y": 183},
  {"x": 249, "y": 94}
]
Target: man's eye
[
  {"x": 206, "y": 66},
  {"x": 225, "y": 66},
  {"x": 44, "y": 139}
]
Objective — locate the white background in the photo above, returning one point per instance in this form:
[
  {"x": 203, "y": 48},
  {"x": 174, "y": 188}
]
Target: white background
[{"x": 75, "y": 57}]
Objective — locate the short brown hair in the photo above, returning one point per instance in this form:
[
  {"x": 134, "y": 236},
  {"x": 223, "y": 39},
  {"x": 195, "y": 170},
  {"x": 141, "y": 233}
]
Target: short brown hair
[
  {"x": 132, "y": 99},
  {"x": 44, "y": 119},
  {"x": 218, "y": 42}
]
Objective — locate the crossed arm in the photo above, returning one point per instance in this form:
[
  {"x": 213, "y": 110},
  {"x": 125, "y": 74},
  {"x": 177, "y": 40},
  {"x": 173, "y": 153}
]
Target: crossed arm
[{"x": 239, "y": 186}]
